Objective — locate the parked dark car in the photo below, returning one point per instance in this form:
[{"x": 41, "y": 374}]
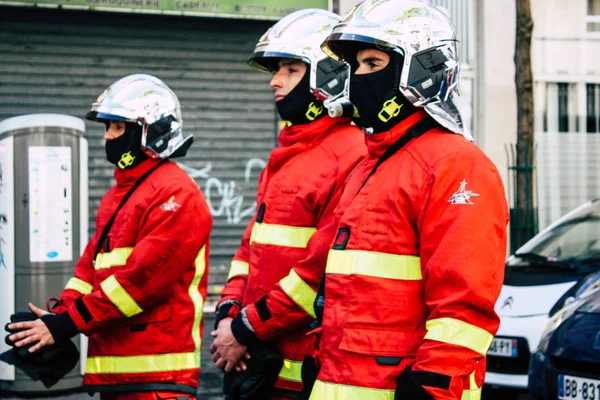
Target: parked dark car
[
  {"x": 566, "y": 364},
  {"x": 539, "y": 277}
]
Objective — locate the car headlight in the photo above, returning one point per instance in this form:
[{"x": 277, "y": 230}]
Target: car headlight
[
  {"x": 570, "y": 306},
  {"x": 553, "y": 324}
]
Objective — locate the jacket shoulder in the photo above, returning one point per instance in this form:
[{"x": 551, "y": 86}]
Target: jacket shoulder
[
  {"x": 345, "y": 140},
  {"x": 170, "y": 178},
  {"x": 440, "y": 145}
]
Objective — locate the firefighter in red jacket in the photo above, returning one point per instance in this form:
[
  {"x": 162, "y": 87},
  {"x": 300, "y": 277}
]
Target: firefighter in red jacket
[
  {"x": 270, "y": 288},
  {"x": 417, "y": 264},
  {"x": 139, "y": 288}
]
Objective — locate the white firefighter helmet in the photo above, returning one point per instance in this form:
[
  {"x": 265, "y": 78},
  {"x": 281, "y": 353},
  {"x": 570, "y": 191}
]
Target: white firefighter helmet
[
  {"x": 145, "y": 100},
  {"x": 299, "y": 36},
  {"x": 427, "y": 40}
]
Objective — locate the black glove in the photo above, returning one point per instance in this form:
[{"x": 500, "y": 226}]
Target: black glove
[
  {"x": 408, "y": 388},
  {"x": 49, "y": 364},
  {"x": 256, "y": 383},
  {"x": 19, "y": 317},
  {"x": 309, "y": 377}
]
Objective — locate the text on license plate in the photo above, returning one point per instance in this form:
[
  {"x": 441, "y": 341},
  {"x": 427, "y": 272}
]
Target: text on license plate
[
  {"x": 573, "y": 387},
  {"x": 503, "y": 348}
]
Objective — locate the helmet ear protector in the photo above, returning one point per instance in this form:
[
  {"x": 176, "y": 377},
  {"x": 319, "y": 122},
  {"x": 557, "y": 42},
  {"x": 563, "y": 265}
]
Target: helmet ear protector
[
  {"x": 427, "y": 73},
  {"x": 333, "y": 86}
]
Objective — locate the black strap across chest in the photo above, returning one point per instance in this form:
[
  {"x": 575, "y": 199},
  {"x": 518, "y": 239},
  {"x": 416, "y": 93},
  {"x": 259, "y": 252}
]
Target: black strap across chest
[
  {"x": 418, "y": 129},
  {"x": 111, "y": 221}
]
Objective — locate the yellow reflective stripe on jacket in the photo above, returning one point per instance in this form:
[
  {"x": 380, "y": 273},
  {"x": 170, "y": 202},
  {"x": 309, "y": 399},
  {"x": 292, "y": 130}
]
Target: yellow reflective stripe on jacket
[
  {"x": 474, "y": 393},
  {"x": 454, "y": 331},
  {"x": 142, "y": 364},
  {"x": 119, "y": 297},
  {"x": 369, "y": 263},
  {"x": 327, "y": 391},
  {"x": 300, "y": 292},
  {"x": 291, "y": 370},
  {"x": 113, "y": 258},
  {"x": 80, "y": 286},
  {"x": 238, "y": 268},
  {"x": 196, "y": 296},
  {"x": 281, "y": 235}
]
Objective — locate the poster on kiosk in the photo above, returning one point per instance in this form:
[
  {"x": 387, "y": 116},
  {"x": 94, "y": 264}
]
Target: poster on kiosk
[{"x": 43, "y": 223}]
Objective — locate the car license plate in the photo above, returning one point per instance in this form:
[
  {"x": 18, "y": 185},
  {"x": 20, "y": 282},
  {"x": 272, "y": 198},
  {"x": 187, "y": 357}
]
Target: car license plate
[
  {"x": 576, "y": 388},
  {"x": 503, "y": 348}
]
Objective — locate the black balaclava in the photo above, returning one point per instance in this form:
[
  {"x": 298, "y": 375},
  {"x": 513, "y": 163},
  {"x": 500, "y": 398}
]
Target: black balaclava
[
  {"x": 300, "y": 106},
  {"x": 377, "y": 97},
  {"x": 126, "y": 150}
]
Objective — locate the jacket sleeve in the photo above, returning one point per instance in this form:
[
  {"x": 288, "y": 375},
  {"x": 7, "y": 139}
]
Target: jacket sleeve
[
  {"x": 232, "y": 294},
  {"x": 238, "y": 271},
  {"x": 81, "y": 283},
  {"x": 462, "y": 228},
  {"x": 170, "y": 239},
  {"x": 289, "y": 305}
]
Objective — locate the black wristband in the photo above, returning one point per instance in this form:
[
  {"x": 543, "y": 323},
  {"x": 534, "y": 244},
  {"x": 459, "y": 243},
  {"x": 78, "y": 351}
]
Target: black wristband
[
  {"x": 242, "y": 334},
  {"x": 61, "y": 326},
  {"x": 223, "y": 312}
]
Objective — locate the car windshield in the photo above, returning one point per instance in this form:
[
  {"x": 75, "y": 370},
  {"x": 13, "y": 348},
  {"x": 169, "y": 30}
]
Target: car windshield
[{"x": 575, "y": 239}]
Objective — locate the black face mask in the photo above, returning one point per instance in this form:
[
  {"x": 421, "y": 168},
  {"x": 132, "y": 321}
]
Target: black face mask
[
  {"x": 300, "y": 106},
  {"x": 126, "y": 150},
  {"x": 378, "y": 99}
]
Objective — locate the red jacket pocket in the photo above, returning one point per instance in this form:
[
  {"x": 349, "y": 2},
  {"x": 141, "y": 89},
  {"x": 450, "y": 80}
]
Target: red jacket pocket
[{"x": 377, "y": 341}]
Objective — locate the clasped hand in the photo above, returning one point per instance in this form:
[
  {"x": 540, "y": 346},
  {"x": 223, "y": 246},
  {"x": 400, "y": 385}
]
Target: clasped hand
[{"x": 226, "y": 352}]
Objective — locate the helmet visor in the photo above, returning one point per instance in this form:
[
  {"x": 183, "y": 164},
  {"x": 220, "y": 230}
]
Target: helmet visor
[
  {"x": 269, "y": 60},
  {"x": 344, "y": 46}
]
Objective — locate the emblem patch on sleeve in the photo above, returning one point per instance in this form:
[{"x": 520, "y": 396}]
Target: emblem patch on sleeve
[
  {"x": 462, "y": 196},
  {"x": 170, "y": 205}
]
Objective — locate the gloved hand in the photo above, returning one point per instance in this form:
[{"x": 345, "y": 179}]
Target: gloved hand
[
  {"x": 20, "y": 316},
  {"x": 49, "y": 364},
  {"x": 256, "y": 383},
  {"x": 408, "y": 388}
]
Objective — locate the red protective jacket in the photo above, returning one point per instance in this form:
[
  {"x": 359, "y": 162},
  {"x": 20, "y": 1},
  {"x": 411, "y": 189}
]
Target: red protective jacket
[
  {"x": 141, "y": 301},
  {"x": 415, "y": 270},
  {"x": 268, "y": 275}
]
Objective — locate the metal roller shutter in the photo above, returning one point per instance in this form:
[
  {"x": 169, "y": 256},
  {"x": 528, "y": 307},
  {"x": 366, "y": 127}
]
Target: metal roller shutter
[{"x": 59, "y": 61}]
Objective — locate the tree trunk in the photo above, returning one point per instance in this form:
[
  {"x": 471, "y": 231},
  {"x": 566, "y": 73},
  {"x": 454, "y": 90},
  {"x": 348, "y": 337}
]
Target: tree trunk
[{"x": 524, "y": 211}]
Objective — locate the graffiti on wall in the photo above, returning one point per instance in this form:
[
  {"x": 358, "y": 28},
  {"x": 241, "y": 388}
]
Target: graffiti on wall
[{"x": 222, "y": 196}]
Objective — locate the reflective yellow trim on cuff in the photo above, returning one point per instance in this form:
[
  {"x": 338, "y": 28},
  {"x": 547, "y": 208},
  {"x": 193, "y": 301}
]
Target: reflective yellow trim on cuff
[
  {"x": 378, "y": 265},
  {"x": 196, "y": 296},
  {"x": 473, "y": 394},
  {"x": 291, "y": 370},
  {"x": 300, "y": 292},
  {"x": 238, "y": 268},
  {"x": 281, "y": 235},
  {"x": 114, "y": 258},
  {"x": 456, "y": 332},
  {"x": 327, "y": 391},
  {"x": 79, "y": 286},
  {"x": 119, "y": 297},
  {"x": 142, "y": 364}
]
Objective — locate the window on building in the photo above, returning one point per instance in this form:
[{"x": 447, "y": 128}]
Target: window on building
[
  {"x": 560, "y": 108},
  {"x": 592, "y": 108},
  {"x": 593, "y": 16}
]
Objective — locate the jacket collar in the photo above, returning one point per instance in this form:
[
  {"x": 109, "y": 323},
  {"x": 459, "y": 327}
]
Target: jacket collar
[
  {"x": 378, "y": 143},
  {"x": 127, "y": 177},
  {"x": 297, "y": 139},
  {"x": 309, "y": 133}
]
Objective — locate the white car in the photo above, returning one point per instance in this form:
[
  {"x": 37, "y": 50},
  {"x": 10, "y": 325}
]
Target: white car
[{"x": 539, "y": 278}]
